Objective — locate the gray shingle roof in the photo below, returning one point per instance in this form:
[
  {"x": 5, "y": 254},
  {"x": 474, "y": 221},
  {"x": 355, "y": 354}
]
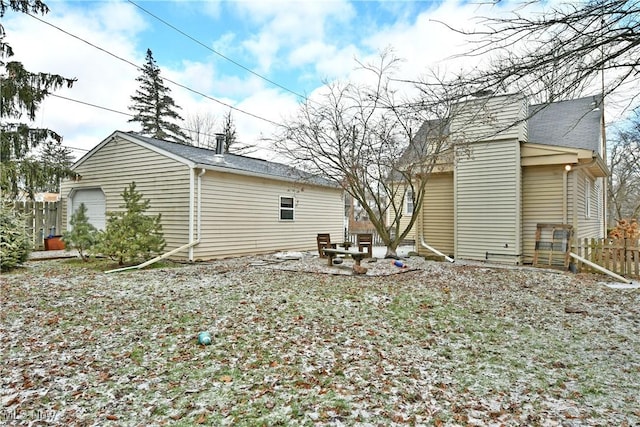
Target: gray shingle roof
[
  {"x": 574, "y": 123},
  {"x": 233, "y": 162}
]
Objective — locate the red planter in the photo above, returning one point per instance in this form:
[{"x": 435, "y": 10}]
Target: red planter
[{"x": 53, "y": 243}]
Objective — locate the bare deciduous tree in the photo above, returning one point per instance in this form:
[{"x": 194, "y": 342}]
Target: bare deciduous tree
[
  {"x": 624, "y": 163},
  {"x": 358, "y": 135},
  {"x": 201, "y": 130},
  {"x": 554, "y": 55}
]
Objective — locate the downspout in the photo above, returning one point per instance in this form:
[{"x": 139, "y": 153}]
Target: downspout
[
  {"x": 565, "y": 193},
  {"x": 600, "y": 268},
  {"x": 192, "y": 242},
  {"x": 434, "y": 250},
  {"x": 198, "y": 213},
  {"x": 192, "y": 190}
]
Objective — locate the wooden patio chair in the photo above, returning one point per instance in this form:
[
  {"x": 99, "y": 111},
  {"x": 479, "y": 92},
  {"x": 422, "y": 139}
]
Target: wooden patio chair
[
  {"x": 324, "y": 241},
  {"x": 365, "y": 241}
]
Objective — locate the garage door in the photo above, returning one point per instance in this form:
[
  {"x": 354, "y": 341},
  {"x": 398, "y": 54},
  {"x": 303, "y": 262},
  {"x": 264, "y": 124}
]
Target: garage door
[{"x": 93, "y": 199}]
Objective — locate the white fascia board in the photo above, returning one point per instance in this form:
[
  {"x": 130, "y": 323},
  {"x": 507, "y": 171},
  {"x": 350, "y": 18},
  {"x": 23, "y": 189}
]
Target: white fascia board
[{"x": 133, "y": 140}]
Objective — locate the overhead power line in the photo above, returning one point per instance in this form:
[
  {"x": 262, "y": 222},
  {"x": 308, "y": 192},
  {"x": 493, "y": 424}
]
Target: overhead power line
[
  {"x": 120, "y": 112},
  {"x": 216, "y": 52},
  {"x": 163, "y": 78}
]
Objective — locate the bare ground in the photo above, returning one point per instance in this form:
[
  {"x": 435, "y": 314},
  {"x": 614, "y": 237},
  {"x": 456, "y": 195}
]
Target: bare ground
[{"x": 301, "y": 343}]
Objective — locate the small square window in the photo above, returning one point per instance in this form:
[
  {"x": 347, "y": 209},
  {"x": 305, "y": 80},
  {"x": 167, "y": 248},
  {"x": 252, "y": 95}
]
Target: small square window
[{"x": 286, "y": 208}]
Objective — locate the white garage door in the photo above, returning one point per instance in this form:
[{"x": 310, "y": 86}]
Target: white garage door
[{"x": 93, "y": 199}]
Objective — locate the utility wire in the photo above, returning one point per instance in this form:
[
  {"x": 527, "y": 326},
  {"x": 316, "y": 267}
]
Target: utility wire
[
  {"x": 123, "y": 113},
  {"x": 163, "y": 78},
  {"x": 217, "y": 53}
]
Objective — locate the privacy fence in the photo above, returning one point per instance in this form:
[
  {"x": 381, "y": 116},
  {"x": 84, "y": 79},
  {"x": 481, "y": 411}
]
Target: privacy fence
[
  {"x": 42, "y": 219},
  {"x": 622, "y": 256}
]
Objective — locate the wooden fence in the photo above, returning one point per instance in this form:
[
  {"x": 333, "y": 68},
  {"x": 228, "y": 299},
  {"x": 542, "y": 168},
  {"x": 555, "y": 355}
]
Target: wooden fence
[
  {"x": 352, "y": 236},
  {"x": 42, "y": 219},
  {"x": 622, "y": 256}
]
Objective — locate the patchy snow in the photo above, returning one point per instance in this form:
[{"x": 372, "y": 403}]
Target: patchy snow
[{"x": 298, "y": 342}]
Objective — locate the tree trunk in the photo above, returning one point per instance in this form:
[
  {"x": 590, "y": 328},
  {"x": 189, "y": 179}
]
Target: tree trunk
[{"x": 391, "y": 252}]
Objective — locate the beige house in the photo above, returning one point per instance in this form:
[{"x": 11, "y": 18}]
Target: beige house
[
  {"x": 213, "y": 205},
  {"x": 518, "y": 170}
]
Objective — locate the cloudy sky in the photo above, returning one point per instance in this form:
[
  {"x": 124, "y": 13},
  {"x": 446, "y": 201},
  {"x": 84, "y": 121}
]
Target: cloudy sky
[{"x": 254, "y": 56}]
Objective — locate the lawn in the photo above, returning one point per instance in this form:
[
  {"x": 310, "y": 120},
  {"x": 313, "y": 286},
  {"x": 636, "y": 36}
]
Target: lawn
[{"x": 442, "y": 344}]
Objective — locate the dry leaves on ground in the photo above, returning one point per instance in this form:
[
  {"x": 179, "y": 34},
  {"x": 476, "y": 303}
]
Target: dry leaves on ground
[{"x": 443, "y": 344}]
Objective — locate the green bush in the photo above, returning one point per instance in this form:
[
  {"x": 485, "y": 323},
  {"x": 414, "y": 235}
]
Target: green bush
[
  {"x": 131, "y": 235},
  {"x": 83, "y": 236},
  {"x": 14, "y": 245}
]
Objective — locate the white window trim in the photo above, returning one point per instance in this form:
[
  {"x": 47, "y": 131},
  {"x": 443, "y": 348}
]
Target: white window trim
[
  {"x": 408, "y": 201},
  {"x": 281, "y": 208},
  {"x": 587, "y": 198}
]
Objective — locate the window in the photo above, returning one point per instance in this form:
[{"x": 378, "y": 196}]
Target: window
[
  {"x": 286, "y": 208},
  {"x": 587, "y": 198},
  {"x": 408, "y": 202}
]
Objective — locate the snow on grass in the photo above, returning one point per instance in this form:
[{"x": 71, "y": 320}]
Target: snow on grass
[{"x": 440, "y": 345}]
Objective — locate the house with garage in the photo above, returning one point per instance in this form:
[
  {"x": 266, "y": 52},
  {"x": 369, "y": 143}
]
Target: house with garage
[
  {"x": 213, "y": 204},
  {"x": 522, "y": 166}
]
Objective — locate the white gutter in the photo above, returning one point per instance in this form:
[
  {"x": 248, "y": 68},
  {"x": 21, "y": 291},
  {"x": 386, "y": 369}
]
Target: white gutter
[
  {"x": 600, "y": 268},
  {"x": 434, "y": 250}
]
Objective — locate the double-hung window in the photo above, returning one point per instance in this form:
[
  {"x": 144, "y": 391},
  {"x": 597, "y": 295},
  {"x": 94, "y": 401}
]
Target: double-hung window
[
  {"x": 408, "y": 202},
  {"x": 286, "y": 208}
]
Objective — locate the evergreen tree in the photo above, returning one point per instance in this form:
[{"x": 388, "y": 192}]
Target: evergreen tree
[
  {"x": 229, "y": 131},
  {"x": 131, "y": 235},
  {"x": 14, "y": 245},
  {"x": 55, "y": 162},
  {"x": 22, "y": 92},
  {"x": 231, "y": 143},
  {"x": 154, "y": 109},
  {"x": 83, "y": 235}
]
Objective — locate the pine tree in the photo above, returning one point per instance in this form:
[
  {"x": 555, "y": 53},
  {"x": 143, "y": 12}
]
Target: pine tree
[
  {"x": 154, "y": 109},
  {"x": 14, "y": 245},
  {"x": 55, "y": 161},
  {"x": 83, "y": 235},
  {"x": 22, "y": 92},
  {"x": 229, "y": 131},
  {"x": 131, "y": 235}
]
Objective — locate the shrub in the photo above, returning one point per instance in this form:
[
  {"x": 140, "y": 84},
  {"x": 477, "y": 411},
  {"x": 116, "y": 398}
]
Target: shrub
[
  {"x": 131, "y": 235},
  {"x": 14, "y": 245},
  {"x": 83, "y": 235}
]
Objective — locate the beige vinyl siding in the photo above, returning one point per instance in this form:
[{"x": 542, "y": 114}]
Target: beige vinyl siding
[
  {"x": 487, "y": 201},
  {"x": 591, "y": 226},
  {"x": 241, "y": 216},
  {"x": 165, "y": 182},
  {"x": 541, "y": 202},
  {"x": 498, "y": 117},
  {"x": 406, "y": 217},
  {"x": 437, "y": 215}
]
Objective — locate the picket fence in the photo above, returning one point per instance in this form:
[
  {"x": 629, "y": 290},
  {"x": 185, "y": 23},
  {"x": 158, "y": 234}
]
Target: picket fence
[
  {"x": 42, "y": 219},
  {"x": 622, "y": 256}
]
